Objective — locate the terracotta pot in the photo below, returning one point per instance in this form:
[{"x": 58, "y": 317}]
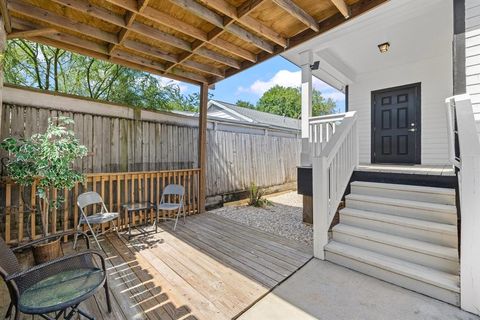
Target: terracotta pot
[{"x": 47, "y": 251}]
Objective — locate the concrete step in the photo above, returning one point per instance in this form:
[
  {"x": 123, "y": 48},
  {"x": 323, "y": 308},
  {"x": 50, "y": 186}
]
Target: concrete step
[
  {"x": 428, "y": 231},
  {"x": 404, "y": 192},
  {"x": 425, "y": 280},
  {"x": 424, "y": 253},
  {"x": 434, "y": 212}
]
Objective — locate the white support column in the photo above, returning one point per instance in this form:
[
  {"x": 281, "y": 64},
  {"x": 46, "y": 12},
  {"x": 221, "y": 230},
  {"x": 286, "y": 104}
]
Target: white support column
[{"x": 306, "y": 157}]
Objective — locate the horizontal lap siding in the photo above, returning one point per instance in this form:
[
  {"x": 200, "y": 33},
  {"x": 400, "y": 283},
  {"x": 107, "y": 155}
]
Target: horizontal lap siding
[
  {"x": 472, "y": 43},
  {"x": 435, "y": 76}
]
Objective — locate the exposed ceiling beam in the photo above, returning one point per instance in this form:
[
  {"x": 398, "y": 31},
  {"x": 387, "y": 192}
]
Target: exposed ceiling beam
[
  {"x": 228, "y": 46},
  {"x": 342, "y": 7},
  {"x": 94, "y": 11},
  {"x": 293, "y": 9},
  {"x": 119, "y": 53},
  {"x": 204, "y": 68},
  {"x": 154, "y": 15},
  {"x": 215, "y": 56},
  {"x": 129, "y": 20},
  {"x": 248, "y": 6},
  {"x": 218, "y": 21},
  {"x": 180, "y": 26},
  {"x": 40, "y": 14},
  {"x": 6, "y": 16},
  {"x": 173, "y": 23},
  {"x": 30, "y": 33},
  {"x": 145, "y": 30},
  {"x": 149, "y": 50},
  {"x": 247, "y": 21},
  {"x": 356, "y": 9},
  {"x": 93, "y": 49},
  {"x": 161, "y": 36}
]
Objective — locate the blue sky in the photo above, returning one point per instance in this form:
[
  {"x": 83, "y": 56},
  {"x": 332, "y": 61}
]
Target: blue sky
[{"x": 250, "y": 84}]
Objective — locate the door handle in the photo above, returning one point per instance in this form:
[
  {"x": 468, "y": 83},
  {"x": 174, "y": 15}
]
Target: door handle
[{"x": 412, "y": 130}]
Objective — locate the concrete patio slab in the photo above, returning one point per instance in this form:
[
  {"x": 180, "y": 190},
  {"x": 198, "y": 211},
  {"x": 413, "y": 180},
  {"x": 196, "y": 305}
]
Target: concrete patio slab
[{"x": 322, "y": 290}]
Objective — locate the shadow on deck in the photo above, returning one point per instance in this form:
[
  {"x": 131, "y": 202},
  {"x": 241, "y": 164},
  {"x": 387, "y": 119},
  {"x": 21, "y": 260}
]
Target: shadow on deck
[{"x": 210, "y": 268}]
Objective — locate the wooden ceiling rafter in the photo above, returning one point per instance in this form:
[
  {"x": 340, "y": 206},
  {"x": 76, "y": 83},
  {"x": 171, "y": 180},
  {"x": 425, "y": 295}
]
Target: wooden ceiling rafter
[
  {"x": 180, "y": 26},
  {"x": 99, "y": 51},
  {"x": 293, "y": 9},
  {"x": 6, "y": 16},
  {"x": 30, "y": 33},
  {"x": 198, "y": 41},
  {"x": 325, "y": 25},
  {"x": 247, "y": 7},
  {"x": 115, "y": 42},
  {"x": 232, "y": 13},
  {"x": 129, "y": 20},
  {"x": 155, "y": 16},
  {"x": 342, "y": 6}
]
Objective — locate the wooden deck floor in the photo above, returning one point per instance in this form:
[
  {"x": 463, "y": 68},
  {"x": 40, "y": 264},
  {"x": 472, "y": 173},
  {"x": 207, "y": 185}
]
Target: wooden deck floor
[{"x": 210, "y": 268}]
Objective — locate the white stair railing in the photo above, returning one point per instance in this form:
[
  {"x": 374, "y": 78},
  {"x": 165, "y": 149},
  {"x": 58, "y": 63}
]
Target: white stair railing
[
  {"x": 332, "y": 168},
  {"x": 321, "y": 129},
  {"x": 464, "y": 145}
]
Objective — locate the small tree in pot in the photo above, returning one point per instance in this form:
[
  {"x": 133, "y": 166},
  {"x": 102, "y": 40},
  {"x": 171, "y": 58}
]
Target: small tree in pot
[{"x": 47, "y": 160}]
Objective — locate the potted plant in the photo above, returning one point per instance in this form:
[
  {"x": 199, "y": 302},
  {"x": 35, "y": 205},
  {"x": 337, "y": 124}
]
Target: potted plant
[{"x": 46, "y": 159}]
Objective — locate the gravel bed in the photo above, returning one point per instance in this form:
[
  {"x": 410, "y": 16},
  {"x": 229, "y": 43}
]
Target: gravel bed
[{"x": 283, "y": 217}]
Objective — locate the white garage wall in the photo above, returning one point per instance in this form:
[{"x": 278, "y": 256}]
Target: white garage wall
[{"x": 435, "y": 76}]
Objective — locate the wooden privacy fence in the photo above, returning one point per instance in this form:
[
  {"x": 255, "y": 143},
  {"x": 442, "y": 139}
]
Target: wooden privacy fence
[
  {"x": 237, "y": 154},
  {"x": 18, "y": 204}
]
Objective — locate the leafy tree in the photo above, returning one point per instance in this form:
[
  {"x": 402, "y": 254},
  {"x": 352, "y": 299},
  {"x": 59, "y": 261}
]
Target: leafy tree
[
  {"x": 245, "y": 104},
  {"x": 35, "y": 65},
  {"x": 286, "y": 101}
]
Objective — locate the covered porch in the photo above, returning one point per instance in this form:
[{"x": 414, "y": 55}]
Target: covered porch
[{"x": 208, "y": 268}]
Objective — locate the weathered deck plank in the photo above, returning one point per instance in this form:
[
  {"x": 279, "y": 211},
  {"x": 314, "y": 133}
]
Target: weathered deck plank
[{"x": 210, "y": 268}]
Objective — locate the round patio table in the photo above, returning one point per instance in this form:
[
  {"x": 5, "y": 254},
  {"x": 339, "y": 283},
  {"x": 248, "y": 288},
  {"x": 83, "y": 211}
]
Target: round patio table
[{"x": 61, "y": 292}]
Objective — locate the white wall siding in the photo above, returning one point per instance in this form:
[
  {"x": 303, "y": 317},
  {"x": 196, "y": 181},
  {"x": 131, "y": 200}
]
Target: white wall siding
[
  {"x": 472, "y": 43},
  {"x": 435, "y": 76}
]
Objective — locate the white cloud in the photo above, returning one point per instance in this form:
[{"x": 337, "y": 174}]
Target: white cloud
[{"x": 287, "y": 78}]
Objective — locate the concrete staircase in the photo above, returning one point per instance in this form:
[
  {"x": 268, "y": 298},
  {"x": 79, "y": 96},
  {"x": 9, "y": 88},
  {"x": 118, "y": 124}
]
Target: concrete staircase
[{"x": 403, "y": 234}]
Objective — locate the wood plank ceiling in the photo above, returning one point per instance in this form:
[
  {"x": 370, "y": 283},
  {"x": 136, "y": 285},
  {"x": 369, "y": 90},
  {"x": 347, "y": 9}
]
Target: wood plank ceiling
[{"x": 197, "y": 41}]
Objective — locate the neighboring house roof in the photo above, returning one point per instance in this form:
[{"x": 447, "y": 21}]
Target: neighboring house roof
[{"x": 224, "y": 110}]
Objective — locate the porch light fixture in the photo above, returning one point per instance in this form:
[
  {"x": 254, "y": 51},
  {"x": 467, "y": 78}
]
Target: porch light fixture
[{"x": 384, "y": 47}]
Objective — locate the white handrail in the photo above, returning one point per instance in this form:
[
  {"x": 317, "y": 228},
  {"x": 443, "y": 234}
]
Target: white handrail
[
  {"x": 452, "y": 132},
  {"x": 332, "y": 169},
  {"x": 468, "y": 162},
  {"x": 321, "y": 129}
]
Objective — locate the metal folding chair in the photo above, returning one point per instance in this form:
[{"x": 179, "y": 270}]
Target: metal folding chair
[
  {"x": 92, "y": 198},
  {"x": 173, "y": 192}
]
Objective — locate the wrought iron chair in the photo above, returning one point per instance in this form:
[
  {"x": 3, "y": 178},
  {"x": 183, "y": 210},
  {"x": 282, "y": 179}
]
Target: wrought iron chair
[
  {"x": 57, "y": 286},
  {"x": 173, "y": 191},
  {"x": 92, "y": 198}
]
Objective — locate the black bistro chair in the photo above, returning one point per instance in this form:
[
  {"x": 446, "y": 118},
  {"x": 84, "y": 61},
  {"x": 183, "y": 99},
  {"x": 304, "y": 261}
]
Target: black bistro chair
[{"x": 57, "y": 286}]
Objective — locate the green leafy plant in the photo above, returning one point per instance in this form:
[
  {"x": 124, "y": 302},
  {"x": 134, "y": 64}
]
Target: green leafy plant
[
  {"x": 256, "y": 197},
  {"x": 46, "y": 159}
]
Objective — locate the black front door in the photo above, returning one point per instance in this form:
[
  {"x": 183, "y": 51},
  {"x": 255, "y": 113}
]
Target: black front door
[{"x": 396, "y": 125}]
